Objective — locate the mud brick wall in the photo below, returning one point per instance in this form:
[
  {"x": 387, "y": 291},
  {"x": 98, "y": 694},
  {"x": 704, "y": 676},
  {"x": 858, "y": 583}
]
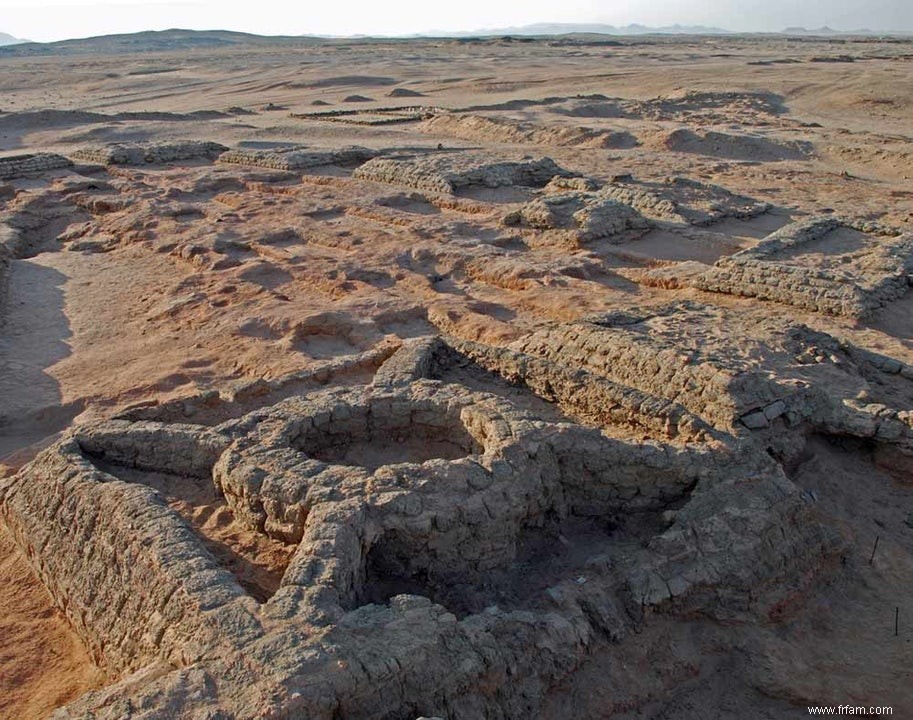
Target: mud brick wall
[
  {"x": 881, "y": 278},
  {"x": 19, "y": 165},
  {"x": 295, "y": 159},
  {"x": 719, "y": 396},
  {"x": 806, "y": 288},
  {"x": 128, "y": 154},
  {"x": 585, "y": 395},
  {"x": 397, "y": 172},
  {"x": 131, "y": 577}
]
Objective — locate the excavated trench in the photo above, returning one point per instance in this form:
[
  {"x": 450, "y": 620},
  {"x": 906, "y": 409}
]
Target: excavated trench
[{"x": 554, "y": 551}]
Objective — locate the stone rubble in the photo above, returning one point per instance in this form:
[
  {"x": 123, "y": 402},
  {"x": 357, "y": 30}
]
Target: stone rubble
[
  {"x": 682, "y": 200},
  {"x": 449, "y": 173},
  {"x": 373, "y": 116},
  {"x": 297, "y": 158},
  {"x": 585, "y": 217}
]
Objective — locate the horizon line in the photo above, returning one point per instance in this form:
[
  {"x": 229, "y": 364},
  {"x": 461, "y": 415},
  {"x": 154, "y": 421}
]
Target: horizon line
[{"x": 672, "y": 29}]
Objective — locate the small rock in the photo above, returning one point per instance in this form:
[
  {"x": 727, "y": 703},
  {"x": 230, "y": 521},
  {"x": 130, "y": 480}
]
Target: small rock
[
  {"x": 775, "y": 410},
  {"x": 756, "y": 420}
]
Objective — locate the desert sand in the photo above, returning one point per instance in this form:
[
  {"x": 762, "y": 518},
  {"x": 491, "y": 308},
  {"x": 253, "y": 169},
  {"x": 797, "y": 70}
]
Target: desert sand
[{"x": 497, "y": 279}]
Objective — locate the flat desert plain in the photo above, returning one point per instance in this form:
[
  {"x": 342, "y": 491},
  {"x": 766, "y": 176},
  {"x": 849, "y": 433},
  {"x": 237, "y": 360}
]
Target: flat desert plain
[{"x": 506, "y": 378}]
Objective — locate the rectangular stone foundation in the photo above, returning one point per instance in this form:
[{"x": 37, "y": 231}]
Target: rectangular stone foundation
[
  {"x": 19, "y": 165},
  {"x": 878, "y": 278}
]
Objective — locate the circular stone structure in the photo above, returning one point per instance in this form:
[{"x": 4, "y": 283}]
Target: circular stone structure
[
  {"x": 346, "y": 441},
  {"x": 409, "y": 567},
  {"x": 378, "y": 432}
]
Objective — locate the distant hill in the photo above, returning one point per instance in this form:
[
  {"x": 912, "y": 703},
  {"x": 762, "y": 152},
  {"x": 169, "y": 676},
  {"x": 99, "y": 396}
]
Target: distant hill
[
  {"x": 173, "y": 40},
  {"x": 176, "y": 39},
  {"x": 150, "y": 41},
  {"x": 830, "y": 32},
  {"x": 10, "y": 40},
  {"x": 546, "y": 29}
]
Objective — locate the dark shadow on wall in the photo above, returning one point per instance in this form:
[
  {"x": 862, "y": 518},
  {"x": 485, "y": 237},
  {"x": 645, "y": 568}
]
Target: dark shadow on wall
[{"x": 896, "y": 320}]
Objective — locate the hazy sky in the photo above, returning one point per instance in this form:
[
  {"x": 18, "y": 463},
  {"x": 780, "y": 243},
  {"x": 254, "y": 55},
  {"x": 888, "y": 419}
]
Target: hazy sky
[{"x": 44, "y": 20}]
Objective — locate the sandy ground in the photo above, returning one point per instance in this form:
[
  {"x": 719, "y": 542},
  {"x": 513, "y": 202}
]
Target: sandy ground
[
  {"x": 209, "y": 274},
  {"x": 257, "y": 561},
  {"x": 43, "y": 664}
]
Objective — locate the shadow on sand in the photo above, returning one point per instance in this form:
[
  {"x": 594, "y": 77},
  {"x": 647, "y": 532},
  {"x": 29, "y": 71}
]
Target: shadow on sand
[{"x": 33, "y": 334}]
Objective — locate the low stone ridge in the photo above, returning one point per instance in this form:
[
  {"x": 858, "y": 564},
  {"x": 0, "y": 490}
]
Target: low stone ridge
[
  {"x": 587, "y": 397},
  {"x": 149, "y": 153},
  {"x": 685, "y": 201},
  {"x": 373, "y": 116},
  {"x": 15, "y": 166},
  {"x": 858, "y": 285},
  {"x": 412, "y": 504},
  {"x": 777, "y": 378},
  {"x": 298, "y": 158},
  {"x": 449, "y": 173},
  {"x": 493, "y": 129},
  {"x": 514, "y": 271},
  {"x": 737, "y": 146},
  {"x": 582, "y": 216},
  {"x": 560, "y": 184}
]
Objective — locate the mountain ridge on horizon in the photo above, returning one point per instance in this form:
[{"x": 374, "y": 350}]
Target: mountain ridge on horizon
[
  {"x": 583, "y": 28},
  {"x": 7, "y": 39},
  {"x": 178, "y": 39},
  {"x": 638, "y": 29}
]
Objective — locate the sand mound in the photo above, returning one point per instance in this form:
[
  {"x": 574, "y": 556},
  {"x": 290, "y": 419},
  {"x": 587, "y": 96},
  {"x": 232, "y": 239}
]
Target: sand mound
[
  {"x": 745, "y": 108},
  {"x": 43, "y": 664},
  {"x": 404, "y": 93},
  {"x": 43, "y": 119},
  {"x": 733, "y": 147},
  {"x": 595, "y": 109},
  {"x": 49, "y": 118}
]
